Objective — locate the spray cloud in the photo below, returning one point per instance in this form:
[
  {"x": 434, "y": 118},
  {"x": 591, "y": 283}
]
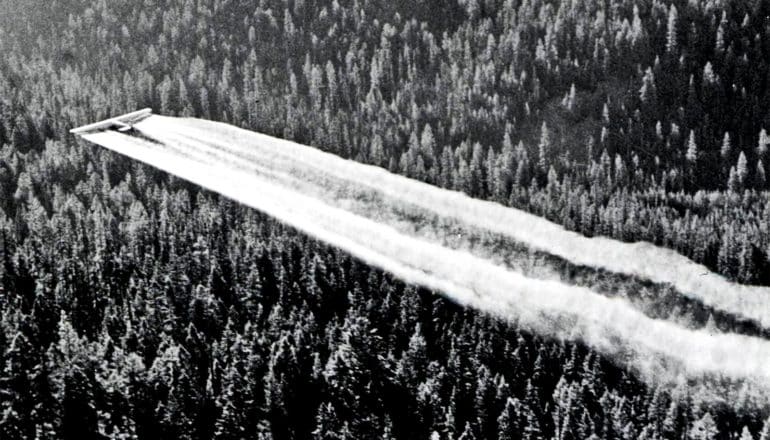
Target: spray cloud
[{"x": 266, "y": 174}]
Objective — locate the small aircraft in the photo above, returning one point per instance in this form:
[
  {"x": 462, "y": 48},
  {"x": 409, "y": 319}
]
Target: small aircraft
[{"x": 122, "y": 123}]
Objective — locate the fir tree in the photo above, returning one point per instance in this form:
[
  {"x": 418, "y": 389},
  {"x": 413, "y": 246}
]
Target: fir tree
[
  {"x": 544, "y": 148},
  {"x": 672, "y": 42},
  {"x": 703, "y": 429},
  {"x": 692, "y": 149},
  {"x": 746, "y": 434},
  {"x": 726, "y": 146},
  {"x": 742, "y": 169}
]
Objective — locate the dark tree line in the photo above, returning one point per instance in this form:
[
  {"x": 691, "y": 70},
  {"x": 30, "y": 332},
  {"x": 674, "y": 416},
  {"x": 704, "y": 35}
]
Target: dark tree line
[{"x": 135, "y": 306}]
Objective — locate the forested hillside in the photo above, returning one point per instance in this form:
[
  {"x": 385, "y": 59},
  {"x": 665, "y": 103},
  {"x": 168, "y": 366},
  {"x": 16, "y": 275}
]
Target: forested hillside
[{"x": 136, "y": 306}]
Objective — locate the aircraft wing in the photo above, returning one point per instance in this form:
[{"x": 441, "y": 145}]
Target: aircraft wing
[{"x": 121, "y": 123}]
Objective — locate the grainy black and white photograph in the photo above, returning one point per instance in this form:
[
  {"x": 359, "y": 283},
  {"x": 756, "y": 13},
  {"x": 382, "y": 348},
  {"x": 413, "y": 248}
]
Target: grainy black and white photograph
[{"x": 384, "y": 219}]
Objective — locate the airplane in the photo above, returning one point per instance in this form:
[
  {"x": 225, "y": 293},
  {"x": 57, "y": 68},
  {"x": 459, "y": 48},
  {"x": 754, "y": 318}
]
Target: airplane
[{"x": 122, "y": 123}]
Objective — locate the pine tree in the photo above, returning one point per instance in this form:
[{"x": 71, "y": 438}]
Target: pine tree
[
  {"x": 672, "y": 40},
  {"x": 761, "y": 177},
  {"x": 544, "y": 148},
  {"x": 279, "y": 383},
  {"x": 12, "y": 425},
  {"x": 504, "y": 167},
  {"x": 647, "y": 92},
  {"x": 231, "y": 423},
  {"x": 377, "y": 151},
  {"x": 728, "y": 252},
  {"x": 764, "y": 434},
  {"x": 746, "y": 434},
  {"x": 332, "y": 85},
  {"x": 203, "y": 98},
  {"x": 605, "y": 115},
  {"x": 726, "y": 146},
  {"x": 531, "y": 423},
  {"x": 742, "y": 170},
  {"x": 638, "y": 35},
  {"x": 428, "y": 146},
  {"x": 413, "y": 364},
  {"x": 328, "y": 425},
  {"x": 733, "y": 184},
  {"x": 703, "y": 429},
  {"x": 746, "y": 269},
  {"x": 79, "y": 418},
  {"x": 692, "y": 149},
  {"x": 478, "y": 181},
  {"x": 507, "y": 426},
  {"x": 719, "y": 44},
  {"x": 467, "y": 433},
  {"x": 709, "y": 78},
  {"x": 670, "y": 423},
  {"x": 762, "y": 143},
  {"x": 570, "y": 98},
  {"x": 387, "y": 430},
  {"x": 15, "y": 382}
]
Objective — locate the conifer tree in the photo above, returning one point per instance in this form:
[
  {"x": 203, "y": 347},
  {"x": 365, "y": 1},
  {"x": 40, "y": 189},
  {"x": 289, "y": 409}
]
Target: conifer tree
[
  {"x": 762, "y": 144},
  {"x": 761, "y": 177},
  {"x": 544, "y": 148},
  {"x": 746, "y": 434},
  {"x": 726, "y": 146},
  {"x": 647, "y": 92},
  {"x": 703, "y": 429},
  {"x": 692, "y": 149},
  {"x": 507, "y": 426},
  {"x": 733, "y": 183},
  {"x": 467, "y": 433},
  {"x": 742, "y": 169},
  {"x": 672, "y": 40},
  {"x": 764, "y": 434}
]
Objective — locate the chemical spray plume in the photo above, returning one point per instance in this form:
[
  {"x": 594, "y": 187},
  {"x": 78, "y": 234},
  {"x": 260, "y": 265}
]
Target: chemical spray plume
[
  {"x": 642, "y": 260},
  {"x": 658, "y": 350}
]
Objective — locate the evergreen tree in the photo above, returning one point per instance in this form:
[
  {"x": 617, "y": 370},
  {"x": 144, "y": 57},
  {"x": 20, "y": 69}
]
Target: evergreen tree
[
  {"x": 19, "y": 362},
  {"x": 692, "y": 149},
  {"x": 764, "y": 434},
  {"x": 703, "y": 429},
  {"x": 733, "y": 182},
  {"x": 746, "y": 434},
  {"x": 647, "y": 92},
  {"x": 544, "y": 148},
  {"x": 672, "y": 39},
  {"x": 507, "y": 427},
  {"x": 762, "y": 144},
  {"x": 726, "y": 147},
  {"x": 742, "y": 170},
  {"x": 467, "y": 433}
]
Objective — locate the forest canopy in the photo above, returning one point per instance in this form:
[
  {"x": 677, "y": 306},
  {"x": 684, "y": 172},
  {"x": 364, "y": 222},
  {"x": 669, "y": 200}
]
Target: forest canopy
[{"x": 135, "y": 305}]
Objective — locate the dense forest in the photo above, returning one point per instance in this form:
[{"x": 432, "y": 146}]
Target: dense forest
[{"x": 135, "y": 305}]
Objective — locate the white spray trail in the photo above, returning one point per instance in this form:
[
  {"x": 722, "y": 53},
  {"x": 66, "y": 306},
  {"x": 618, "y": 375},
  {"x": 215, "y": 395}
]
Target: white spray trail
[
  {"x": 657, "y": 349},
  {"x": 643, "y": 260}
]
